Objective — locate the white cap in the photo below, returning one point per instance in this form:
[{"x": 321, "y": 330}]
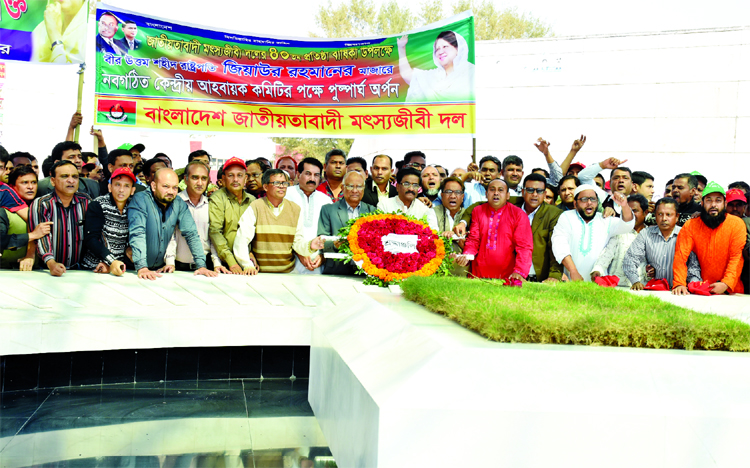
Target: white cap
[{"x": 583, "y": 187}]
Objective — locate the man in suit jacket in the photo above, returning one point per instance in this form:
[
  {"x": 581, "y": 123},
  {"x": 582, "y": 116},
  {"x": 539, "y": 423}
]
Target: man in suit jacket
[
  {"x": 129, "y": 43},
  {"x": 334, "y": 217},
  {"x": 378, "y": 186},
  {"x": 105, "y": 42},
  {"x": 543, "y": 219}
]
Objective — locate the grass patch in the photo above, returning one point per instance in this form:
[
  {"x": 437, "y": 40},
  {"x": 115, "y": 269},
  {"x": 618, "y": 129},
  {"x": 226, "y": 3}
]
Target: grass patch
[{"x": 574, "y": 313}]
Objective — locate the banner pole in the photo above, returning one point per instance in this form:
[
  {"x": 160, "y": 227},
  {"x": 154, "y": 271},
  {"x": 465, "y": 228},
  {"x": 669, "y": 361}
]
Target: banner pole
[
  {"x": 81, "y": 68},
  {"x": 474, "y": 150}
]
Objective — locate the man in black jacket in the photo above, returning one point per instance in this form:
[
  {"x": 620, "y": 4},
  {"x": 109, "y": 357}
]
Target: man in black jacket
[{"x": 378, "y": 185}]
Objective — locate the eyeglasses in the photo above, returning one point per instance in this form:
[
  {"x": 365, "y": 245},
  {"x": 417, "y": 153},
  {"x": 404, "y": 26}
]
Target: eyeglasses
[
  {"x": 533, "y": 190},
  {"x": 453, "y": 192},
  {"x": 279, "y": 183},
  {"x": 408, "y": 185},
  {"x": 588, "y": 199},
  {"x": 354, "y": 187}
]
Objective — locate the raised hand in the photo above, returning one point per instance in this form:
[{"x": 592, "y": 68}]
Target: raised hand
[
  {"x": 402, "y": 41},
  {"x": 543, "y": 146},
  {"x": 578, "y": 144}
]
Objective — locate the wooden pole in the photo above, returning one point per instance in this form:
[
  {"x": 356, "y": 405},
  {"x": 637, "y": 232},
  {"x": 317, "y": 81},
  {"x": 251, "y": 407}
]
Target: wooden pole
[
  {"x": 474, "y": 150},
  {"x": 80, "y": 99}
]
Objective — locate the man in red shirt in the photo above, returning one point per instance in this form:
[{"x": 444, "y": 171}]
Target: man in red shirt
[{"x": 500, "y": 238}]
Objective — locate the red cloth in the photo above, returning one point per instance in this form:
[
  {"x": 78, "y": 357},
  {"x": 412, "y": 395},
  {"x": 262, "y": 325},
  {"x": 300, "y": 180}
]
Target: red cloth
[
  {"x": 325, "y": 187},
  {"x": 512, "y": 282},
  {"x": 657, "y": 285},
  {"x": 514, "y": 242},
  {"x": 609, "y": 281},
  {"x": 700, "y": 288}
]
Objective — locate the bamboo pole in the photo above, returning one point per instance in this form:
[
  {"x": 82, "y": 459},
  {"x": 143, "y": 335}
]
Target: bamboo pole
[
  {"x": 80, "y": 99},
  {"x": 474, "y": 150}
]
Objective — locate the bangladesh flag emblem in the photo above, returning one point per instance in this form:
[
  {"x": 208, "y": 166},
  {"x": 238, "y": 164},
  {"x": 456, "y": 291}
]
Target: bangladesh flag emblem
[{"x": 115, "y": 111}]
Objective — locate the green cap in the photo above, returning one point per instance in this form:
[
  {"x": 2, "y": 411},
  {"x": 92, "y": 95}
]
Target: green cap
[
  {"x": 125, "y": 146},
  {"x": 713, "y": 187},
  {"x": 695, "y": 173}
]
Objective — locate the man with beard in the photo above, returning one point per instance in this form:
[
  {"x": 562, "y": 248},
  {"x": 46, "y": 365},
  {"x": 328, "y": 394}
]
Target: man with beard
[
  {"x": 378, "y": 186},
  {"x": 335, "y": 167},
  {"x": 408, "y": 182},
  {"x": 717, "y": 240},
  {"x": 179, "y": 256},
  {"x": 310, "y": 202},
  {"x": 106, "y": 226},
  {"x": 334, "y": 217},
  {"x": 225, "y": 207},
  {"x": 62, "y": 248},
  {"x": 654, "y": 246},
  {"x": 489, "y": 170},
  {"x": 513, "y": 174},
  {"x": 684, "y": 188},
  {"x": 500, "y": 239},
  {"x": 274, "y": 228},
  {"x": 430, "y": 186},
  {"x": 611, "y": 259},
  {"x": 581, "y": 234},
  {"x": 152, "y": 218}
]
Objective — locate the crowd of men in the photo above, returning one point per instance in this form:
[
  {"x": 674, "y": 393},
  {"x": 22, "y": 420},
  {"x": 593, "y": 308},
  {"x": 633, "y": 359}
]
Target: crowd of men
[{"x": 112, "y": 212}]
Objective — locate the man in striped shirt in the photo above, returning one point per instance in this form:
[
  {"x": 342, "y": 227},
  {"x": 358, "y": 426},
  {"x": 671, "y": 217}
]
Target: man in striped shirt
[
  {"x": 654, "y": 246},
  {"x": 61, "y": 248}
]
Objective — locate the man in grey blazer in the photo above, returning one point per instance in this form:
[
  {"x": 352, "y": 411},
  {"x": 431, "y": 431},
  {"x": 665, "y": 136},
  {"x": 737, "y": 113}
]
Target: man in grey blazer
[{"x": 334, "y": 217}]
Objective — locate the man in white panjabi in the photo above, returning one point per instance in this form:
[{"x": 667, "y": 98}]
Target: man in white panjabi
[
  {"x": 452, "y": 80},
  {"x": 311, "y": 202},
  {"x": 581, "y": 234}
]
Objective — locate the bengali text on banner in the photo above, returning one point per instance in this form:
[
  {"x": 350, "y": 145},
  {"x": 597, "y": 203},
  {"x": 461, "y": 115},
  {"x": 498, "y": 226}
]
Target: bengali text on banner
[
  {"x": 157, "y": 74},
  {"x": 43, "y": 31}
]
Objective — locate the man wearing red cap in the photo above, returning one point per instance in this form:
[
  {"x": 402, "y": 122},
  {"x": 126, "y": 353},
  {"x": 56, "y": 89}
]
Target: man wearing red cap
[
  {"x": 736, "y": 202},
  {"x": 717, "y": 240},
  {"x": 106, "y": 226},
  {"x": 225, "y": 208}
]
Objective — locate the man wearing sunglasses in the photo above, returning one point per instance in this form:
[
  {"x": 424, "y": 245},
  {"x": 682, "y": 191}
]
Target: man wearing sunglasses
[
  {"x": 274, "y": 228},
  {"x": 408, "y": 182}
]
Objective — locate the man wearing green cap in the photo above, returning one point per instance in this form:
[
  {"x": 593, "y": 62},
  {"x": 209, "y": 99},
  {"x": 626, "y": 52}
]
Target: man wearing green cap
[
  {"x": 717, "y": 240},
  {"x": 702, "y": 181}
]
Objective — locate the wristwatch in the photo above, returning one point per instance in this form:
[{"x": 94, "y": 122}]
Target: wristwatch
[{"x": 55, "y": 44}]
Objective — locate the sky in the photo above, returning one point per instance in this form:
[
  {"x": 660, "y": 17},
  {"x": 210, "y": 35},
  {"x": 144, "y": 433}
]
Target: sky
[
  {"x": 297, "y": 18},
  {"x": 567, "y": 18}
]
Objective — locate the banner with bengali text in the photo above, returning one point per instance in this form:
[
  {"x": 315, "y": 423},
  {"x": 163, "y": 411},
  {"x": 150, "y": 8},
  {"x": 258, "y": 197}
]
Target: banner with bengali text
[
  {"x": 153, "y": 73},
  {"x": 43, "y": 31}
]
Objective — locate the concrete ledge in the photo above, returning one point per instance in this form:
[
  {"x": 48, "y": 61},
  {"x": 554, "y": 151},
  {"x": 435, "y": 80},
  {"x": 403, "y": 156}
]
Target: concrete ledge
[
  {"x": 395, "y": 386},
  {"x": 83, "y": 311}
]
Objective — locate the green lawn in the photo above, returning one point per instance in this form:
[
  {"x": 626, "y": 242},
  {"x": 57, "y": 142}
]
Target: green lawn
[{"x": 574, "y": 313}]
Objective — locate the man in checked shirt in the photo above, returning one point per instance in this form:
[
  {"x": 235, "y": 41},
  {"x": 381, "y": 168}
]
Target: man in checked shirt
[{"x": 66, "y": 208}]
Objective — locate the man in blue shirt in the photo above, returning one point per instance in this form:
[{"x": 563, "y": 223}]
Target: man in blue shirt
[{"x": 152, "y": 217}]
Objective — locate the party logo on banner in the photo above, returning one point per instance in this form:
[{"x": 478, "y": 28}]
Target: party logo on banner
[
  {"x": 185, "y": 77},
  {"x": 116, "y": 111}
]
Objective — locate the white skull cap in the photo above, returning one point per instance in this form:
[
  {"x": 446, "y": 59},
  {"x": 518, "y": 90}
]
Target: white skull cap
[{"x": 583, "y": 187}]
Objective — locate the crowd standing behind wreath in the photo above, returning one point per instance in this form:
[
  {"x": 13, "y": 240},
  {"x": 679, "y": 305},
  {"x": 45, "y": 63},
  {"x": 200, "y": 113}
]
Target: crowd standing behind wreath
[{"x": 113, "y": 212}]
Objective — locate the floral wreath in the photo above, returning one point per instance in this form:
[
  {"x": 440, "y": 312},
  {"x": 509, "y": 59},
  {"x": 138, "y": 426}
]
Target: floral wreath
[{"x": 363, "y": 244}]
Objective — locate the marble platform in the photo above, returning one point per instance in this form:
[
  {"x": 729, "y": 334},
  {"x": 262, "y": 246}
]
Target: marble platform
[
  {"x": 393, "y": 386},
  {"x": 82, "y": 311}
]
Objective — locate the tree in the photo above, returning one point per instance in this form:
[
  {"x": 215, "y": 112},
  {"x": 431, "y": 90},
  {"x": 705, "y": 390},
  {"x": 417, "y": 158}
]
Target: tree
[
  {"x": 358, "y": 18},
  {"x": 492, "y": 23},
  {"x": 314, "y": 147}
]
